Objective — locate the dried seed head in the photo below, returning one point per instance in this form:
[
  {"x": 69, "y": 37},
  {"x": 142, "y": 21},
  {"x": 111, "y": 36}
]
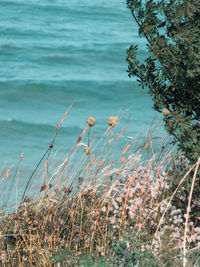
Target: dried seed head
[
  {"x": 165, "y": 112},
  {"x": 80, "y": 179},
  {"x": 103, "y": 209},
  {"x": 91, "y": 121},
  {"x": 87, "y": 150},
  {"x": 68, "y": 190},
  {"x": 43, "y": 187},
  {"x": 35, "y": 222},
  {"x": 112, "y": 121},
  {"x": 94, "y": 215},
  {"x": 15, "y": 216},
  {"x": 51, "y": 146},
  {"x": 27, "y": 199},
  {"x": 78, "y": 139},
  {"x": 61, "y": 223}
]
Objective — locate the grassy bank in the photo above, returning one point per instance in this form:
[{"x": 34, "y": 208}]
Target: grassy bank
[{"x": 96, "y": 210}]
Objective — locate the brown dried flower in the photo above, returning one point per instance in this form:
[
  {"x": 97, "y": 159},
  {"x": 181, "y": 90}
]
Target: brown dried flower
[
  {"x": 91, "y": 121},
  {"x": 43, "y": 187},
  {"x": 68, "y": 190},
  {"x": 35, "y": 222},
  {"x": 51, "y": 146},
  {"x": 166, "y": 112},
  {"x": 15, "y": 216},
  {"x": 112, "y": 121},
  {"x": 87, "y": 150},
  {"x": 80, "y": 179},
  {"x": 27, "y": 199},
  {"x": 78, "y": 139}
]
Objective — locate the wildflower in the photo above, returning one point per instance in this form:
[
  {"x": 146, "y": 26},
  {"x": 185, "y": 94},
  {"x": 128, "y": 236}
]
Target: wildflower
[
  {"x": 119, "y": 199},
  {"x": 166, "y": 112},
  {"x": 91, "y": 121},
  {"x": 25, "y": 258},
  {"x": 112, "y": 220},
  {"x": 115, "y": 204},
  {"x": 103, "y": 209},
  {"x": 3, "y": 257},
  {"x": 176, "y": 221},
  {"x": 111, "y": 209},
  {"x": 197, "y": 229},
  {"x": 35, "y": 222},
  {"x": 94, "y": 215},
  {"x": 100, "y": 249},
  {"x": 112, "y": 121},
  {"x": 190, "y": 239},
  {"x": 60, "y": 223}
]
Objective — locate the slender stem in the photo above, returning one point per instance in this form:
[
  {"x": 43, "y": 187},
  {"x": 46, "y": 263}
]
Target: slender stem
[
  {"x": 170, "y": 200},
  {"x": 125, "y": 256},
  {"x": 89, "y": 132},
  {"x": 50, "y": 149},
  {"x": 33, "y": 174},
  {"x": 16, "y": 171},
  {"x": 188, "y": 212},
  {"x": 109, "y": 146}
]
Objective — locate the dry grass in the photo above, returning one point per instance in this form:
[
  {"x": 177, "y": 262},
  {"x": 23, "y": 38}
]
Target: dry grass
[{"x": 86, "y": 205}]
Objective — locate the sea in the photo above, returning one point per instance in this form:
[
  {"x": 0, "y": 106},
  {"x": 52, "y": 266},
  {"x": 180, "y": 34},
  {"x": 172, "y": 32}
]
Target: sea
[{"x": 54, "y": 53}]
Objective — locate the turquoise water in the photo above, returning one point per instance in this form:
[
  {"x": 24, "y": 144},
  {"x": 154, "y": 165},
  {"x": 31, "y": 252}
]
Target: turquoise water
[{"x": 57, "y": 52}]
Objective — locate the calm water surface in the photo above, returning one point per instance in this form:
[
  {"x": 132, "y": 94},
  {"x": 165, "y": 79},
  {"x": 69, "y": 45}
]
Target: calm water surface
[{"x": 57, "y": 52}]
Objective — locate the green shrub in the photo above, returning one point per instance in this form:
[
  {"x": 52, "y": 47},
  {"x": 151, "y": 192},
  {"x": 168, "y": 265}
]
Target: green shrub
[{"x": 172, "y": 70}]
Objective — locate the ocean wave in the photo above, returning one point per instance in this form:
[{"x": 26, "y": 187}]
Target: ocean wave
[
  {"x": 72, "y": 8},
  {"x": 58, "y": 52},
  {"x": 31, "y": 128},
  {"x": 24, "y": 124},
  {"x": 9, "y": 119},
  {"x": 29, "y": 89}
]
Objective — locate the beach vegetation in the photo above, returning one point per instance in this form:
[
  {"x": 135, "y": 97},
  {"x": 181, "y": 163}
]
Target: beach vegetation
[
  {"x": 171, "y": 70},
  {"x": 171, "y": 73},
  {"x": 92, "y": 212}
]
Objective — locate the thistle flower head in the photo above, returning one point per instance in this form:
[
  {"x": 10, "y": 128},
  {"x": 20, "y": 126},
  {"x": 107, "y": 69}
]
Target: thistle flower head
[
  {"x": 166, "y": 112},
  {"x": 112, "y": 121},
  {"x": 91, "y": 121},
  {"x": 87, "y": 150}
]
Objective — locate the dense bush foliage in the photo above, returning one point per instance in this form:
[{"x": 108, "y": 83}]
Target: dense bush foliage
[{"x": 172, "y": 70}]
